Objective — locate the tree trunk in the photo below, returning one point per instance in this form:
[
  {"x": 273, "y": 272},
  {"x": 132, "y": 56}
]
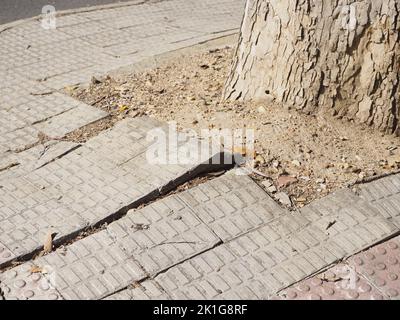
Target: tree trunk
[{"x": 333, "y": 56}]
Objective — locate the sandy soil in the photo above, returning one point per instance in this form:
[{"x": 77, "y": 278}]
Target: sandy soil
[{"x": 305, "y": 157}]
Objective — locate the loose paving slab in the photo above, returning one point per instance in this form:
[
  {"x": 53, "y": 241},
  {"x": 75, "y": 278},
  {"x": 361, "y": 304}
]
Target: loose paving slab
[
  {"x": 23, "y": 125},
  {"x": 89, "y": 185},
  {"x": 18, "y": 140},
  {"x": 162, "y": 235},
  {"x": 156, "y": 237}
]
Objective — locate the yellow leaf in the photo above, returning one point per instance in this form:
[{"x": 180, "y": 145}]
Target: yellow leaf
[
  {"x": 36, "y": 269},
  {"x": 122, "y": 108}
]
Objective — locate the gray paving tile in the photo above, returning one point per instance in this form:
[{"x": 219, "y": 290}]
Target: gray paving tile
[
  {"x": 156, "y": 237},
  {"x": 71, "y": 120},
  {"x": 146, "y": 290},
  {"x": 33, "y": 158},
  {"x": 384, "y": 195},
  {"x": 278, "y": 254},
  {"x": 90, "y": 269},
  {"x": 162, "y": 235},
  {"x": 231, "y": 205},
  {"x": 86, "y": 186},
  {"x": 380, "y": 267}
]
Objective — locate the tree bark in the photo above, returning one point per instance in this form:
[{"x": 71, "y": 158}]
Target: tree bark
[{"x": 333, "y": 56}]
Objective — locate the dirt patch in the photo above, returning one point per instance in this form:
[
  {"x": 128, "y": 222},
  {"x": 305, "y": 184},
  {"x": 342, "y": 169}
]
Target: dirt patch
[{"x": 305, "y": 157}]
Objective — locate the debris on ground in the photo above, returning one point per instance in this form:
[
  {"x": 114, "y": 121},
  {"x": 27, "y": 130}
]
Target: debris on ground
[{"x": 305, "y": 156}]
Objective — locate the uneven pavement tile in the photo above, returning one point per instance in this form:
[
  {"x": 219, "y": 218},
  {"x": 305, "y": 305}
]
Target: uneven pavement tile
[
  {"x": 162, "y": 234},
  {"x": 32, "y": 159},
  {"x": 87, "y": 186},
  {"x": 156, "y": 237},
  {"x": 19, "y": 139},
  {"x": 41, "y": 104},
  {"x": 142, "y": 243},
  {"x": 91, "y": 268},
  {"x": 282, "y": 252},
  {"x": 384, "y": 195}
]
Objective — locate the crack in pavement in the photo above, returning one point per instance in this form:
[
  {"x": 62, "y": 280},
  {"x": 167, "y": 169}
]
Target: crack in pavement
[
  {"x": 9, "y": 166},
  {"x": 88, "y": 230}
]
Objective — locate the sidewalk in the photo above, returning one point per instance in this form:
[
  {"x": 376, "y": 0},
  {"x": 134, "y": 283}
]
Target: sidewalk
[{"x": 119, "y": 234}]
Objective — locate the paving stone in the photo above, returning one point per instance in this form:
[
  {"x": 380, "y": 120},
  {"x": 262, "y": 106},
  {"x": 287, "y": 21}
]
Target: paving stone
[
  {"x": 158, "y": 236},
  {"x": 231, "y": 205},
  {"x": 33, "y": 158},
  {"x": 284, "y": 251},
  {"x": 7, "y": 161},
  {"x": 5, "y": 254},
  {"x": 45, "y": 153},
  {"x": 21, "y": 283},
  {"x": 146, "y": 290},
  {"x": 144, "y": 242},
  {"x": 82, "y": 29},
  {"x": 86, "y": 186},
  {"x": 338, "y": 283},
  {"x": 162, "y": 234},
  {"x": 70, "y": 121},
  {"x": 384, "y": 195},
  {"x": 41, "y": 108},
  {"x": 19, "y": 139},
  {"x": 380, "y": 266},
  {"x": 10, "y": 122},
  {"x": 71, "y": 78},
  {"x": 92, "y": 268},
  {"x": 61, "y": 57}
]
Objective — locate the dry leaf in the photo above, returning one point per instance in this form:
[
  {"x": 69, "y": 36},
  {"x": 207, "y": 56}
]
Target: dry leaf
[
  {"x": 36, "y": 269},
  {"x": 48, "y": 243},
  {"x": 243, "y": 151}
]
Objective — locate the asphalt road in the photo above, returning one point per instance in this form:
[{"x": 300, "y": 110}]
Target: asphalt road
[{"x": 11, "y": 10}]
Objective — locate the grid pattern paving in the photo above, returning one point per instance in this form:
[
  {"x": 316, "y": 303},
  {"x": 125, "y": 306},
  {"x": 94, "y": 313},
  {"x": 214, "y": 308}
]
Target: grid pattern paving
[
  {"x": 36, "y": 62},
  {"x": 282, "y": 252},
  {"x": 87, "y": 186},
  {"x": 224, "y": 239}
]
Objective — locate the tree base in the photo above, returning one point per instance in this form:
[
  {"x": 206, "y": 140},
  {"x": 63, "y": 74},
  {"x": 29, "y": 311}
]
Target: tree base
[{"x": 339, "y": 57}]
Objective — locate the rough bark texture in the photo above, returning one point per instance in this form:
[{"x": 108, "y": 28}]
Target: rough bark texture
[{"x": 335, "y": 56}]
